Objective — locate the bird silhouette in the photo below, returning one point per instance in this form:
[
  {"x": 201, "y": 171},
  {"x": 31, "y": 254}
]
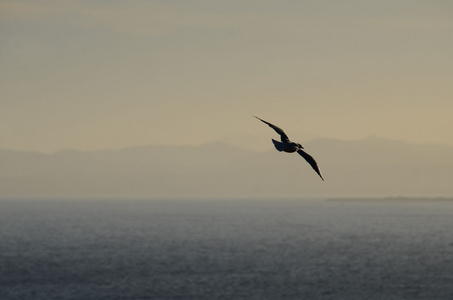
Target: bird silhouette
[{"x": 287, "y": 146}]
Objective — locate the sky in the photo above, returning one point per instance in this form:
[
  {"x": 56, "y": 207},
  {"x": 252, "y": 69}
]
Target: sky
[{"x": 98, "y": 74}]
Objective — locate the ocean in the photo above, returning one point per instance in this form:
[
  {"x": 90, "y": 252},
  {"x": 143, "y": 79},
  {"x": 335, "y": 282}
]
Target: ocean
[{"x": 225, "y": 249}]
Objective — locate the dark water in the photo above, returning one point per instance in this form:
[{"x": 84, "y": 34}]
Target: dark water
[{"x": 225, "y": 249}]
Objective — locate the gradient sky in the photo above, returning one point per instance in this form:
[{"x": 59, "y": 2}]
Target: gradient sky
[{"x": 109, "y": 74}]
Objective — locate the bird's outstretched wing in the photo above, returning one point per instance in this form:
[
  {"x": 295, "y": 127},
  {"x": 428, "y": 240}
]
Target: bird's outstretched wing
[
  {"x": 280, "y": 131},
  {"x": 311, "y": 161}
]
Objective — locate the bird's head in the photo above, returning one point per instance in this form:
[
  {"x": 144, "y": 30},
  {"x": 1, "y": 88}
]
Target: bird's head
[{"x": 300, "y": 146}]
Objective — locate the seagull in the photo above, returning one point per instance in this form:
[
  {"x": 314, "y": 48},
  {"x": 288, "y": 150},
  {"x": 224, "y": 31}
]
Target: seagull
[{"x": 287, "y": 146}]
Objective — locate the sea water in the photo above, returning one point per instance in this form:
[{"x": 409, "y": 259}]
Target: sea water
[{"x": 225, "y": 249}]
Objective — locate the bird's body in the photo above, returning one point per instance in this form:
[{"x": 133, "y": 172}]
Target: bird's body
[
  {"x": 290, "y": 147},
  {"x": 285, "y": 147}
]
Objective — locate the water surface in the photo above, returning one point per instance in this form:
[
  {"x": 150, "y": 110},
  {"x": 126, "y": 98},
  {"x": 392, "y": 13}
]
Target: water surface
[{"x": 225, "y": 249}]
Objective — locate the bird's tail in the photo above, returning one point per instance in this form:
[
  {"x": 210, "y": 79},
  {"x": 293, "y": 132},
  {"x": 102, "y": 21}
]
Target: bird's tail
[{"x": 279, "y": 146}]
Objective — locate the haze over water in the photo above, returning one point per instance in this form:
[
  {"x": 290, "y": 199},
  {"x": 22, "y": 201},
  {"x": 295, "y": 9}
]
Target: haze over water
[
  {"x": 225, "y": 249},
  {"x": 90, "y": 75}
]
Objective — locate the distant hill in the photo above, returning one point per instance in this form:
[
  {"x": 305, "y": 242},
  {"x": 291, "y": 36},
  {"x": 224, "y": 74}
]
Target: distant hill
[{"x": 372, "y": 166}]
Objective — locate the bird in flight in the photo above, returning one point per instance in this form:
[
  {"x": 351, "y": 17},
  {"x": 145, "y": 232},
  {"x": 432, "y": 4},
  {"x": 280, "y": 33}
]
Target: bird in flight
[{"x": 287, "y": 146}]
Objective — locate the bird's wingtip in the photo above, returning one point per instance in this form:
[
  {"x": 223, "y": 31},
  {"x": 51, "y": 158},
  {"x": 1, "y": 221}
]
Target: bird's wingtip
[{"x": 260, "y": 119}]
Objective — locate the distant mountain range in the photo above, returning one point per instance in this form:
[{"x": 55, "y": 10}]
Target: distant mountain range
[{"x": 367, "y": 167}]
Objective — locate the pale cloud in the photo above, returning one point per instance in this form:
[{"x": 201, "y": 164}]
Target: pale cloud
[
  {"x": 29, "y": 10},
  {"x": 158, "y": 18},
  {"x": 141, "y": 18}
]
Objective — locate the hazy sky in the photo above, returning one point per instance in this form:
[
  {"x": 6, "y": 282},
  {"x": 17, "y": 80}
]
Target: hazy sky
[{"x": 109, "y": 74}]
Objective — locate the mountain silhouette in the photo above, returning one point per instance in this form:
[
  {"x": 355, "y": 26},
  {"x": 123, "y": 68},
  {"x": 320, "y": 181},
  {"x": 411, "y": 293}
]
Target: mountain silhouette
[{"x": 371, "y": 166}]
